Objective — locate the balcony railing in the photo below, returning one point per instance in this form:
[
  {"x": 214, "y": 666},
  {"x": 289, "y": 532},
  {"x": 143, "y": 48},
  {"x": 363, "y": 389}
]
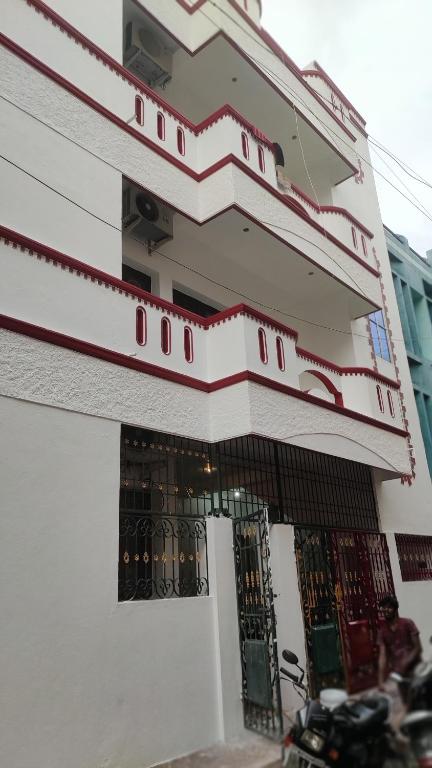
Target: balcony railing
[
  {"x": 198, "y": 149},
  {"x": 162, "y": 339}
]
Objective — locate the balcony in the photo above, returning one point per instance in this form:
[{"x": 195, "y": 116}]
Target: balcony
[
  {"x": 208, "y": 168},
  {"x": 268, "y": 89},
  {"x": 249, "y": 366}
]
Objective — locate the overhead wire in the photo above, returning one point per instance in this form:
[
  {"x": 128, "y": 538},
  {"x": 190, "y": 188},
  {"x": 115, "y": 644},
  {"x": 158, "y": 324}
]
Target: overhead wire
[
  {"x": 187, "y": 267},
  {"x": 116, "y": 168},
  {"x": 297, "y": 95}
]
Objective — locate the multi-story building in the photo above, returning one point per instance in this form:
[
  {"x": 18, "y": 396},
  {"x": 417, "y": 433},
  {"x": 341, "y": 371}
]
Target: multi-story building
[
  {"x": 191, "y": 251},
  {"x": 412, "y": 279}
]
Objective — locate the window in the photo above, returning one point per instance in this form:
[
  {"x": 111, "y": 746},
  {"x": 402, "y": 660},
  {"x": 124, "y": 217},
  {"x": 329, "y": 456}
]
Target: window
[
  {"x": 390, "y": 403},
  {"x": 192, "y": 304},
  {"x": 181, "y": 144},
  {"x": 364, "y": 246},
  {"x": 136, "y": 278},
  {"x": 164, "y": 499},
  {"x": 354, "y": 237},
  {"x": 141, "y": 326},
  {"x": 415, "y": 556},
  {"x": 188, "y": 343},
  {"x": 161, "y": 126},
  {"x": 139, "y": 110},
  {"x": 245, "y": 145},
  {"x": 280, "y": 353},
  {"x": 261, "y": 158},
  {"x": 379, "y": 335},
  {"x": 380, "y": 398},
  {"x": 262, "y": 343},
  {"x": 166, "y": 336}
]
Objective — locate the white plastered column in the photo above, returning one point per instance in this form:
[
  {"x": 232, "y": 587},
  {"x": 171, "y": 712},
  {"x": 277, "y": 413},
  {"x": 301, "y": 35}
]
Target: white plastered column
[
  {"x": 289, "y": 616},
  {"x": 222, "y": 582}
]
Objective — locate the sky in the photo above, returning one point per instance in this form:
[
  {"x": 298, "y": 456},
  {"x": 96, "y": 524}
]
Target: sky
[{"x": 379, "y": 53}]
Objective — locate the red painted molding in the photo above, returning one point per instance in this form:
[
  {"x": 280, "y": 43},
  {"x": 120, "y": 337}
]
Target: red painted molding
[
  {"x": 24, "y": 243},
  {"x": 229, "y": 159},
  {"x": 117, "y": 358},
  {"x": 347, "y": 370},
  {"x": 318, "y": 71},
  {"x": 112, "y": 63},
  {"x": 359, "y": 127},
  {"x": 331, "y": 209}
]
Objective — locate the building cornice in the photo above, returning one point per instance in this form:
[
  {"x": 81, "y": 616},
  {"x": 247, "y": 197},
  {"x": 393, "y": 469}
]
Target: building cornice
[
  {"x": 86, "y": 271},
  {"x": 228, "y": 159},
  {"x": 48, "y": 336}
]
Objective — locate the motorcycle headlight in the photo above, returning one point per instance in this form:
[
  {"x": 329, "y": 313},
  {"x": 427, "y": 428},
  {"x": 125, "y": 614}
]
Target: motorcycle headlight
[{"x": 312, "y": 740}]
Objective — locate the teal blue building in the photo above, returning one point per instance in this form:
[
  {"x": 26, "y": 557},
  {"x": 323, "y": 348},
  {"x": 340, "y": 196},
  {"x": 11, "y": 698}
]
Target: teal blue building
[{"x": 412, "y": 278}]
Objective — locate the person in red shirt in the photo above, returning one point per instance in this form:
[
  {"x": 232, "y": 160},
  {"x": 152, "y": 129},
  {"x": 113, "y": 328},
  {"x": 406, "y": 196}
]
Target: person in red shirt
[{"x": 399, "y": 645}]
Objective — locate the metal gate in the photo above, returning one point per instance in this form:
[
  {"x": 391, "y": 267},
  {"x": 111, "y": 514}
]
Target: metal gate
[
  {"x": 342, "y": 576},
  {"x": 257, "y": 625}
]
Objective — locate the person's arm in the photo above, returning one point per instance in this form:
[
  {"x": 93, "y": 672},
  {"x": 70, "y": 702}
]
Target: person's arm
[
  {"x": 416, "y": 651},
  {"x": 382, "y": 665}
]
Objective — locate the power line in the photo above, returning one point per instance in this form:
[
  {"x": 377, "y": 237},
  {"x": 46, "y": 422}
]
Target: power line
[
  {"x": 106, "y": 162},
  {"x": 306, "y": 106},
  {"x": 257, "y": 302}
]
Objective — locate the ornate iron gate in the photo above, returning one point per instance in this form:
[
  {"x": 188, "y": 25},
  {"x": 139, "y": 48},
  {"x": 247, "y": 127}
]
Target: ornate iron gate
[
  {"x": 257, "y": 625},
  {"x": 342, "y": 576}
]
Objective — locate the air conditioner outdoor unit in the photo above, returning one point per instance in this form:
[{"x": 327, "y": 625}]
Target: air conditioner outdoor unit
[
  {"x": 146, "y": 56},
  {"x": 147, "y": 220}
]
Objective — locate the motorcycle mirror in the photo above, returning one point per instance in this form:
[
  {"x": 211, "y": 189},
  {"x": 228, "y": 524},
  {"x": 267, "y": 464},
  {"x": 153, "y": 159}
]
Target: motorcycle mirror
[
  {"x": 290, "y": 657},
  {"x": 292, "y": 677}
]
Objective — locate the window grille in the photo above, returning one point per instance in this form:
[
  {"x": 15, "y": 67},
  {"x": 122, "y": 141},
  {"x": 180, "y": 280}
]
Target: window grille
[
  {"x": 379, "y": 335},
  {"x": 415, "y": 556},
  {"x": 166, "y": 493},
  {"x": 169, "y": 485}
]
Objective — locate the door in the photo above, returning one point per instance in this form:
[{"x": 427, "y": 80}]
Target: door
[{"x": 257, "y": 625}]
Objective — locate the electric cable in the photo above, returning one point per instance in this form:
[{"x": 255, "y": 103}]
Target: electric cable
[
  {"x": 228, "y": 288},
  {"x": 294, "y": 93}
]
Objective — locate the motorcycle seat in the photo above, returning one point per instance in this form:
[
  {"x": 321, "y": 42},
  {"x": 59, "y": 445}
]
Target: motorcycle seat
[{"x": 365, "y": 713}]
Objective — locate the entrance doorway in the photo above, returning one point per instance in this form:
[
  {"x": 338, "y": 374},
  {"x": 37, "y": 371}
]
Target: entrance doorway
[
  {"x": 257, "y": 625},
  {"x": 342, "y": 577}
]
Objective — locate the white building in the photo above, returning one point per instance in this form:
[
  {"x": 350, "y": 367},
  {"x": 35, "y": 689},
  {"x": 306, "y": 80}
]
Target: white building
[{"x": 185, "y": 316}]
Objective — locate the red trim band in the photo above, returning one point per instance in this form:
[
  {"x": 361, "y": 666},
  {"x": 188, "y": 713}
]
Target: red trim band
[
  {"x": 117, "y": 358},
  {"x": 331, "y": 209},
  {"x": 72, "y": 31},
  {"x": 97, "y": 275},
  {"x": 229, "y": 159},
  {"x": 320, "y": 72}
]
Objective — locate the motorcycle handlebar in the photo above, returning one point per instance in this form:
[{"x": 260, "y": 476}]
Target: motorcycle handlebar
[{"x": 289, "y": 674}]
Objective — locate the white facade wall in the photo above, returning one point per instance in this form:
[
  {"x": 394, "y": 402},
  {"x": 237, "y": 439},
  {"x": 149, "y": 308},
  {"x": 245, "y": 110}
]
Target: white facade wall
[{"x": 90, "y": 681}]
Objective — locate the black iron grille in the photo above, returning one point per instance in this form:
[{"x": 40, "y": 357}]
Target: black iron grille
[{"x": 169, "y": 485}]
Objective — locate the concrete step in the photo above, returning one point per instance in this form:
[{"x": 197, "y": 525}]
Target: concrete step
[{"x": 251, "y": 752}]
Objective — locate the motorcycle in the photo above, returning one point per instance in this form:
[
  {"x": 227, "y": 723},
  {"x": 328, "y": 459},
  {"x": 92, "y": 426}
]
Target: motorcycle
[
  {"x": 417, "y": 724},
  {"x": 336, "y": 731}
]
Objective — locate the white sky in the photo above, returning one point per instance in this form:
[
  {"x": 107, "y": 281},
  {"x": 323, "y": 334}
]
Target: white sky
[{"x": 379, "y": 53}]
